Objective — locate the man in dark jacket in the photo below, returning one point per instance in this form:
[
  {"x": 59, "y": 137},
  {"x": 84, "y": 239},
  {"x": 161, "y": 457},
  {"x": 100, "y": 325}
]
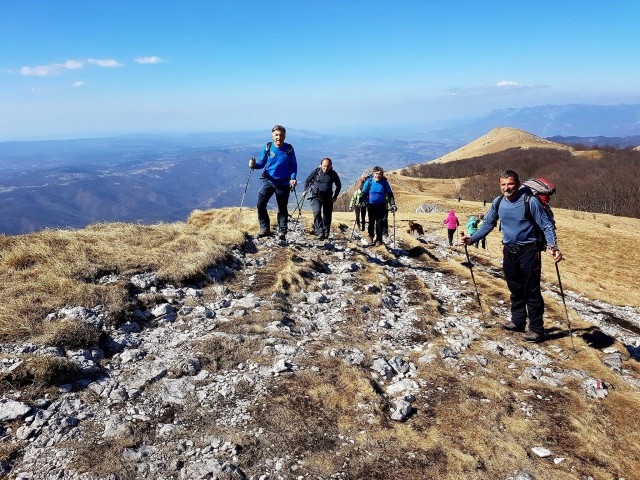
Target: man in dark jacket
[
  {"x": 522, "y": 262},
  {"x": 319, "y": 185}
]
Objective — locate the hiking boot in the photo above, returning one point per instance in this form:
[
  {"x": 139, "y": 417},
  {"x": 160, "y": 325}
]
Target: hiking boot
[
  {"x": 282, "y": 236},
  {"x": 512, "y": 327},
  {"x": 323, "y": 236},
  {"x": 264, "y": 233},
  {"x": 533, "y": 337},
  {"x": 378, "y": 243},
  {"x": 371, "y": 240}
]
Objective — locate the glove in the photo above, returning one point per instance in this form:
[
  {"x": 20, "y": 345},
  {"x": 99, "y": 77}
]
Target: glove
[{"x": 394, "y": 209}]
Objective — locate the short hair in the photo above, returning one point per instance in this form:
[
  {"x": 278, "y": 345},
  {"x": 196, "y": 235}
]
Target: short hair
[
  {"x": 326, "y": 158},
  {"x": 280, "y": 128},
  {"x": 378, "y": 169},
  {"x": 510, "y": 173}
]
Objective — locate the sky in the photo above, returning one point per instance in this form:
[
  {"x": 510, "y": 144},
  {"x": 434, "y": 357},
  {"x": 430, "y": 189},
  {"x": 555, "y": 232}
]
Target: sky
[{"x": 81, "y": 68}]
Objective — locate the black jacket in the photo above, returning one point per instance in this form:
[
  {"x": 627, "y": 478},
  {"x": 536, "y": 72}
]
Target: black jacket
[{"x": 319, "y": 184}]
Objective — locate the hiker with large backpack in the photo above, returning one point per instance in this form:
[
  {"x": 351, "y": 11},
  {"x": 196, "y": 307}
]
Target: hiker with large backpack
[
  {"x": 524, "y": 222},
  {"x": 375, "y": 192},
  {"x": 319, "y": 186},
  {"x": 472, "y": 227},
  {"x": 280, "y": 170}
]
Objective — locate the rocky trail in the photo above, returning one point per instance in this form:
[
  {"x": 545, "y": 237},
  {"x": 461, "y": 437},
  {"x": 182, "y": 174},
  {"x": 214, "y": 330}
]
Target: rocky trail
[{"x": 199, "y": 382}]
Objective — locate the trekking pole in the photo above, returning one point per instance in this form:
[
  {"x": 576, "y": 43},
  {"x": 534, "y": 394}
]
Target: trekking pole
[
  {"x": 293, "y": 189},
  {"x": 566, "y": 312},
  {"x": 245, "y": 191},
  {"x": 300, "y": 207},
  {"x": 353, "y": 229},
  {"x": 473, "y": 278},
  {"x": 394, "y": 228}
]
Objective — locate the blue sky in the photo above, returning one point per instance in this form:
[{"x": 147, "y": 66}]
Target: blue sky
[{"x": 95, "y": 68}]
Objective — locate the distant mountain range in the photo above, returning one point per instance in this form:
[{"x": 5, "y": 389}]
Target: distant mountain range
[
  {"x": 151, "y": 178},
  {"x": 577, "y": 120}
]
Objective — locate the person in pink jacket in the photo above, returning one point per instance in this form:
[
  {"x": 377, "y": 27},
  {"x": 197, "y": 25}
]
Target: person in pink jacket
[{"x": 452, "y": 224}]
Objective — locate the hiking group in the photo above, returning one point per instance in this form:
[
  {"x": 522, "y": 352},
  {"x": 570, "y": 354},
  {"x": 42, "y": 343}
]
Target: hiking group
[
  {"x": 278, "y": 159},
  {"x": 525, "y": 221},
  {"x": 527, "y": 230}
]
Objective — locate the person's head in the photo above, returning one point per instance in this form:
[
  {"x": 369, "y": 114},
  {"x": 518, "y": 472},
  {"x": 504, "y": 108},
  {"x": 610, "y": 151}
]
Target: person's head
[
  {"x": 278, "y": 133},
  {"x": 326, "y": 165},
  {"x": 378, "y": 173},
  {"x": 509, "y": 184}
]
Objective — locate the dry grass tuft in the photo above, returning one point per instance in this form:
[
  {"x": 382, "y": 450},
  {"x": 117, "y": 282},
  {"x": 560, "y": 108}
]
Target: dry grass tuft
[
  {"x": 70, "y": 334},
  {"x": 226, "y": 352}
]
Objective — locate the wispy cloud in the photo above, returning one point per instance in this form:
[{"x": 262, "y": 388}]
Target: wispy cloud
[
  {"x": 502, "y": 86},
  {"x": 148, "y": 60},
  {"x": 105, "y": 62},
  {"x": 51, "y": 70},
  {"x": 78, "y": 84},
  {"x": 508, "y": 83}
]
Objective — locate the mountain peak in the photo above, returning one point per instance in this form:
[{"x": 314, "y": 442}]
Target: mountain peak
[{"x": 498, "y": 140}]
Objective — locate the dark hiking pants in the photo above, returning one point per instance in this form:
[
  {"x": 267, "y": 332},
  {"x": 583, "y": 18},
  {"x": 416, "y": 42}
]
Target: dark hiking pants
[
  {"x": 360, "y": 216},
  {"x": 322, "y": 211},
  {"x": 282, "y": 198},
  {"x": 450, "y": 232},
  {"x": 522, "y": 268},
  {"x": 376, "y": 214}
]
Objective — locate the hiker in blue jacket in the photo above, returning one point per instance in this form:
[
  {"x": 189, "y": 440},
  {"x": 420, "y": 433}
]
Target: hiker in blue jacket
[
  {"x": 522, "y": 262},
  {"x": 319, "y": 185},
  {"x": 280, "y": 170},
  {"x": 375, "y": 192}
]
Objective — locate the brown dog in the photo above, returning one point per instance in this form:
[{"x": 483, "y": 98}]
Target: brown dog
[{"x": 415, "y": 228}]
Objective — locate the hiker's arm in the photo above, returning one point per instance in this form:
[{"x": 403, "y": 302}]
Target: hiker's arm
[
  {"x": 544, "y": 222},
  {"x": 262, "y": 159},
  {"x": 336, "y": 180}
]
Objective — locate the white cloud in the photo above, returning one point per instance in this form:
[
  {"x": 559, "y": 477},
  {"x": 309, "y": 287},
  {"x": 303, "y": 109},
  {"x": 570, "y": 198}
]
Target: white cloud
[
  {"x": 149, "y": 60},
  {"x": 78, "y": 84},
  {"x": 51, "y": 70},
  {"x": 508, "y": 83},
  {"x": 105, "y": 62}
]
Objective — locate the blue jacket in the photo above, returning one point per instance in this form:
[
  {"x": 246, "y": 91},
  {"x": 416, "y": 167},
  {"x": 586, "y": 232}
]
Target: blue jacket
[
  {"x": 516, "y": 229},
  {"x": 281, "y": 166},
  {"x": 376, "y": 193}
]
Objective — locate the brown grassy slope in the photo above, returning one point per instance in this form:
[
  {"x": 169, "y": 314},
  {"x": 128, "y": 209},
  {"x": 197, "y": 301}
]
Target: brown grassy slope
[
  {"x": 602, "y": 251},
  {"x": 498, "y": 140},
  {"x": 44, "y": 271}
]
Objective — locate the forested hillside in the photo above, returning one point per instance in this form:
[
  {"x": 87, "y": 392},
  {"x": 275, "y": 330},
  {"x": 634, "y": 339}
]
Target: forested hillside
[{"x": 598, "y": 181}]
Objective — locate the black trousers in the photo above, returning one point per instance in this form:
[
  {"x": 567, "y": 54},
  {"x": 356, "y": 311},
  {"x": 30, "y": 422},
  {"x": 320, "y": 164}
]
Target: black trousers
[
  {"x": 360, "y": 215},
  {"x": 322, "y": 212},
  {"x": 522, "y": 270},
  {"x": 376, "y": 216}
]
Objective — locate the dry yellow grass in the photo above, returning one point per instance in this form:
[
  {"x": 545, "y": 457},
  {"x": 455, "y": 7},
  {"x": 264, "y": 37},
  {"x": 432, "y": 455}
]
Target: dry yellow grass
[
  {"x": 44, "y": 271},
  {"x": 602, "y": 252}
]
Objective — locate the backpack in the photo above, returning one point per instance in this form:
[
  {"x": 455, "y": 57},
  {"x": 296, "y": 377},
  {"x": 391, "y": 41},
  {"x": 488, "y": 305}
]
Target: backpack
[
  {"x": 542, "y": 189},
  {"x": 268, "y": 149}
]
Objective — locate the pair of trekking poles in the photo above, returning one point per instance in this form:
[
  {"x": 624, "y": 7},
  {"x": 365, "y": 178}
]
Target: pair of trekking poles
[{"x": 475, "y": 286}]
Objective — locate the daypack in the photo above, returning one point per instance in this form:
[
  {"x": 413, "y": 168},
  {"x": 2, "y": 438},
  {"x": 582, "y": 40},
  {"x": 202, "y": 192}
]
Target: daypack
[
  {"x": 268, "y": 149},
  {"x": 542, "y": 189}
]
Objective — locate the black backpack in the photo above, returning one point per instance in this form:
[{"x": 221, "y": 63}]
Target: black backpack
[
  {"x": 542, "y": 189},
  {"x": 289, "y": 150}
]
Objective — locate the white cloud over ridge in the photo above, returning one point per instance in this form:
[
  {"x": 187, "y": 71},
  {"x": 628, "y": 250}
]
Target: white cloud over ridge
[
  {"x": 78, "y": 84},
  {"x": 148, "y": 60},
  {"x": 105, "y": 62}
]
